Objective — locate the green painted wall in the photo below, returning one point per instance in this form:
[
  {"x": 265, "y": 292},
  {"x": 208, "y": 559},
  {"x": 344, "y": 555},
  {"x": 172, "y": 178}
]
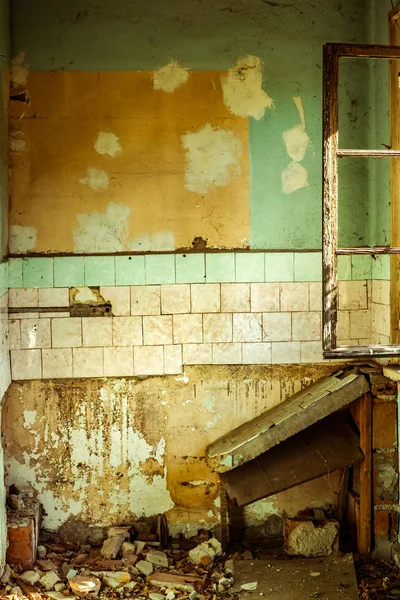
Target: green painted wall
[{"x": 138, "y": 35}]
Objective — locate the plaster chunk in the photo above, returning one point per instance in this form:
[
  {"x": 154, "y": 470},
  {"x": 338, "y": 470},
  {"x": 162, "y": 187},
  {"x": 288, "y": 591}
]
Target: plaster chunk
[
  {"x": 170, "y": 77},
  {"x": 22, "y": 239},
  {"x": 30, "y": 577},
  {"x": 49, "y": 580},
  {"x": 294, "y": 177},
  {"x": 17, "y": 142},
  {"x": 308, "y": 540},
  {"x": 205, "y": 552},
  {"x": 107, "y": 143},
  {"x": 242, "y": 89},
  {"x": 212, "y": 158}
]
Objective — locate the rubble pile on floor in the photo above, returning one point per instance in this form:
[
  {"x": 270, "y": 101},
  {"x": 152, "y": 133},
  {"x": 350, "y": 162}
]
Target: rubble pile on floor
[{"x": 122, "y": 565}]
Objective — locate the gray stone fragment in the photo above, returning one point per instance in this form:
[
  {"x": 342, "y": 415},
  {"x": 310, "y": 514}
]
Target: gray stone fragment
[
  {"x": 157, "y": 558},
  {"x": 155, "y": 596},
  {"x": 170, "y": 596},
  {"x": 96, "y": 536},
  {"x": 128, "y": 548},
  {"x": 60, "y": 587},
  {"x": 112, "y": 546},
  {"x": 249, "y": 587},
  {"x": 73, "y": 531},
  {"x": 41, "y": 551},
  {"x": 17, "y": 590},
  {"x": 30, "y": 577},
  {"x": 6, "y": 575},
  {"x": 139, "y": 546},
  {"x": 144, "y": 567},
  {"x": 49, "y": 580},
  {"x": 229, "y": 567}
]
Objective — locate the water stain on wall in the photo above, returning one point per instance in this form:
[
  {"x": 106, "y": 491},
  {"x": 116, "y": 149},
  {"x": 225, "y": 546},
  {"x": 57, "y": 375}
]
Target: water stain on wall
[
  {"x": 212, "y": 158},
  {"x": 242, "y": 88},
  {"x": 118, "y": 124},
  {"x": 170, "y": 77}
]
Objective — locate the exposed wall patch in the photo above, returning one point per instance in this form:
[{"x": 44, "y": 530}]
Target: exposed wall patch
[
  {"x": 294, "y": 177},
  {"x": 161, "y": 241},
  {"x": 296, "y": 139},
  {"x": 212, "y": 158},
  {"x": 97, "y": 179},
  {"x": 242, "y": 88},
  {"x": 170, "y": 77},
  {"x": 103, "y": 232},
  {"x": 22, "y": 239},
  {"x": 19, "y": 70},
  {"x": 107, "y": 143},
  {"x": 17, "y": 142}
]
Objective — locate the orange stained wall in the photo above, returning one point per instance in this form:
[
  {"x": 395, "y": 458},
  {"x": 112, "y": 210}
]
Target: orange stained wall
[{"x": 137, "y": 199}]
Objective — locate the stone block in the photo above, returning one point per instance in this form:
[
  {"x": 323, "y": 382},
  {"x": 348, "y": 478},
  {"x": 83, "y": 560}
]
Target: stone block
[{"x": 311, "y": 538}]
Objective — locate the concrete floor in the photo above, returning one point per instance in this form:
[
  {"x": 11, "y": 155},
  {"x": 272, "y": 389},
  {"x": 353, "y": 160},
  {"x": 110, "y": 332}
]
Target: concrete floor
[{"x": 298, "y": 578}]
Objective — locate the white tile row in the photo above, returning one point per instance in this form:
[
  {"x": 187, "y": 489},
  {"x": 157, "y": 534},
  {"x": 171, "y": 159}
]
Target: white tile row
[
  {"x": 49, "y": 363},
  {"x": 74, "y": 332},
  {"x": 189, "y": 298}
]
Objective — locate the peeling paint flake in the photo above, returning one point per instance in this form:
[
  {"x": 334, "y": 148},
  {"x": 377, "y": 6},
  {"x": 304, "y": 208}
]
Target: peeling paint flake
[
  {"x": 212, "y": 158},
  {"x": 170, "y": 77},
  {"x": 97, "y": 179},
  {"x": 296, "y": 141},
  {"x": 107, "y": 143},
  {"x": 22, "y": 239},
  {"x": 242, "y": 89}
]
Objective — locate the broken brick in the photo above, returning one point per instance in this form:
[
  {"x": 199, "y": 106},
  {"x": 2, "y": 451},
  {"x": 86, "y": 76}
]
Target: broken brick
[{"x": 381, "y": 523}]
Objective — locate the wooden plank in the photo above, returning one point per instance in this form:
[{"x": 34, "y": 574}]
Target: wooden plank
[
  {"x": 364, "y": 532},
  {"x": 369, "y": 250},
  {"x": 330, "y": 194},
  {"x": 313, "y": 452},
  {"x": 249, "y": 440},
  {"x": 394, "y": 96},
  {"x": 362, "y": 351},
  {"x": 368, "y": 153}
]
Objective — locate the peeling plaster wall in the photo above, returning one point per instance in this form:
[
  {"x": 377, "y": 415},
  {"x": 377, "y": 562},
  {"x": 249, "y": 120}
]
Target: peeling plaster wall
[
  {"x": 99, "y": 69},
  {"x": 112, "y": 450}
]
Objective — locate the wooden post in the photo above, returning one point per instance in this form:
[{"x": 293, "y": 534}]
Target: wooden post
[{"x": 365, "y": 425}]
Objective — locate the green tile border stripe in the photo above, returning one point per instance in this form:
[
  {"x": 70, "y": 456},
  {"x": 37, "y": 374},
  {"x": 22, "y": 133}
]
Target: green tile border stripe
[{"x": 168, "y": 268}]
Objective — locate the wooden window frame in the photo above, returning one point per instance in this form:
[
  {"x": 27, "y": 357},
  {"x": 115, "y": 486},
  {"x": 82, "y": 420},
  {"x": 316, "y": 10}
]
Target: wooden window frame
[{"x": 331, "y": 153}]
